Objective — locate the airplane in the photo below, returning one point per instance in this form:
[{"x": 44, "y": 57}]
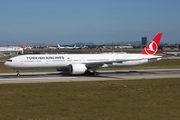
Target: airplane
[
  {"x": 69, "y": 47},
  {"x": 78, "y": 47},
  {"x": 170, "y": 53},
  {"x": 52, "y": 47},
  {"x": 85, "y": 63},
  {"x": 60, "y": 47}
]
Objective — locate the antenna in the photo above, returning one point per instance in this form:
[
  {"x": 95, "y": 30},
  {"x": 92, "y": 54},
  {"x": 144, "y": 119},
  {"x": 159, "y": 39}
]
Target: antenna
[
  {"x": 122, "y": 46},
  {"x": 112, "y": 46}
]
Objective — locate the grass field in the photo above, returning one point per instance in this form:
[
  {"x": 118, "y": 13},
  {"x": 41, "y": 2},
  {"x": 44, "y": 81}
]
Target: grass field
[
  {"x": 174, "y": 63},
  {"x": 154, "y": 99}
]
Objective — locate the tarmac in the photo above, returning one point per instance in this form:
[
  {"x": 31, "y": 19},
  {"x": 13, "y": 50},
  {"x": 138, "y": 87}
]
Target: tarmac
[{"x": 45, "y": 77}]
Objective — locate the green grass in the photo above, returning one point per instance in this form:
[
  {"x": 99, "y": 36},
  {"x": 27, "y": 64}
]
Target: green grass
[
  {"x": 154, "y": 99},
  {"x": 174, "y": 63},
  {"x": 165, "y": 63}
]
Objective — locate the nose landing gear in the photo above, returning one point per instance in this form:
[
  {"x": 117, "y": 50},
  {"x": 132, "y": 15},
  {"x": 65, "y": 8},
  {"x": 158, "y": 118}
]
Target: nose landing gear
[{"x": 18, "y": 74}]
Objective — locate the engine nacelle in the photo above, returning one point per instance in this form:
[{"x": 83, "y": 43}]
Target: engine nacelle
[{"x": 77, "y": 68}]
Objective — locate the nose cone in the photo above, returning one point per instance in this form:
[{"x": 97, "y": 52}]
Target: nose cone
[
  {"x": 8, "y": 63},
  {"x": 5, "y": 63}
]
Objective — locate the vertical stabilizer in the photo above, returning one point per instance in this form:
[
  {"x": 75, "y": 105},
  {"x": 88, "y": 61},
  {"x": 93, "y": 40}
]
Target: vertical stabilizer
[{"x": 152, "y": 46}]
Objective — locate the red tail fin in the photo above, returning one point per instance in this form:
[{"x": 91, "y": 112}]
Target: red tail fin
[{"x": 152, "y": 46}]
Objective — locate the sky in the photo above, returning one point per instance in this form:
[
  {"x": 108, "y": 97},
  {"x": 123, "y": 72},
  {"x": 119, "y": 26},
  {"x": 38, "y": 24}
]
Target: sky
[{"x": 88, "y": 21}]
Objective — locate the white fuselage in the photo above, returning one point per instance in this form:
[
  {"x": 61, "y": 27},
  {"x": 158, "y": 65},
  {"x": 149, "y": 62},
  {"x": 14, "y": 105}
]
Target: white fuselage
[{"x": 60, "y": 61}]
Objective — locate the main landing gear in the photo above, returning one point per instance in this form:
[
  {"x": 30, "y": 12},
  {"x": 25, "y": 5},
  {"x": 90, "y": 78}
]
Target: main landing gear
[
  {"x": 92, "y": 73},
  {"x": 96, "y": 73}
]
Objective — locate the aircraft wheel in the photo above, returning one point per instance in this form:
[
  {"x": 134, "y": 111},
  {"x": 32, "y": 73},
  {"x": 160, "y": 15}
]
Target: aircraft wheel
[
  {"x": 87, "y": 72},
  {"x": 96, "y": 73}
]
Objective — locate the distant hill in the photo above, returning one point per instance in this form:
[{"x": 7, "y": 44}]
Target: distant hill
[
  {"x": 117, "y": 43},
  {"x": 82, "y": 43}
]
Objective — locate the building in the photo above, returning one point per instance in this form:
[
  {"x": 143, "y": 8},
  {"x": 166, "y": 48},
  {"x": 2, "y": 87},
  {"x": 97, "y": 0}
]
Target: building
[
  {"x": 11, "y": 50},
  {"x": 144, "y": 41}
]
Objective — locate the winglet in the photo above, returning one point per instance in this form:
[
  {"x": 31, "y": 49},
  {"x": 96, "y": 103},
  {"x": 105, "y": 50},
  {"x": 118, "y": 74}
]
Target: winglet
[{"x": 152, "y": 46}]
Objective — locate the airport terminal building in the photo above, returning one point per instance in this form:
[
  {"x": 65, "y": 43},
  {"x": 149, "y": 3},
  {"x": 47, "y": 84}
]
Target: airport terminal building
[{"x": 5, "y": 51}]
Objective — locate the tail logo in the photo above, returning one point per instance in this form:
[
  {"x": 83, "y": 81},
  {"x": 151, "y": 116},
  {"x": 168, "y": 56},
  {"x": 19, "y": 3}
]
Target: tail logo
[{"x": 152, "y": 48}]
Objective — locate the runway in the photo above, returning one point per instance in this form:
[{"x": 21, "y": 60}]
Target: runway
[{"x": 8, "y": 78}]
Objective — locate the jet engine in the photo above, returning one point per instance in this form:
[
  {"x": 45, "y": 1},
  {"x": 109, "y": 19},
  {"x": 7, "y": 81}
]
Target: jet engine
[{"x": 77, "y": 68}]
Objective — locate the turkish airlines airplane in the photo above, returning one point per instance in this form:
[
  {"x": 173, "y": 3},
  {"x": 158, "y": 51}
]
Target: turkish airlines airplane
[{"x": 85, "y": 63}]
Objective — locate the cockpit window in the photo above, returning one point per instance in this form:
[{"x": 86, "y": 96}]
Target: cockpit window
[{"x": 9, "y": 60}]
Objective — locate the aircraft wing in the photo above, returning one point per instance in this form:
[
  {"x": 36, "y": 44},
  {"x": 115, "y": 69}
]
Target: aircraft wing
[{"x": 101, "y": 63}]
